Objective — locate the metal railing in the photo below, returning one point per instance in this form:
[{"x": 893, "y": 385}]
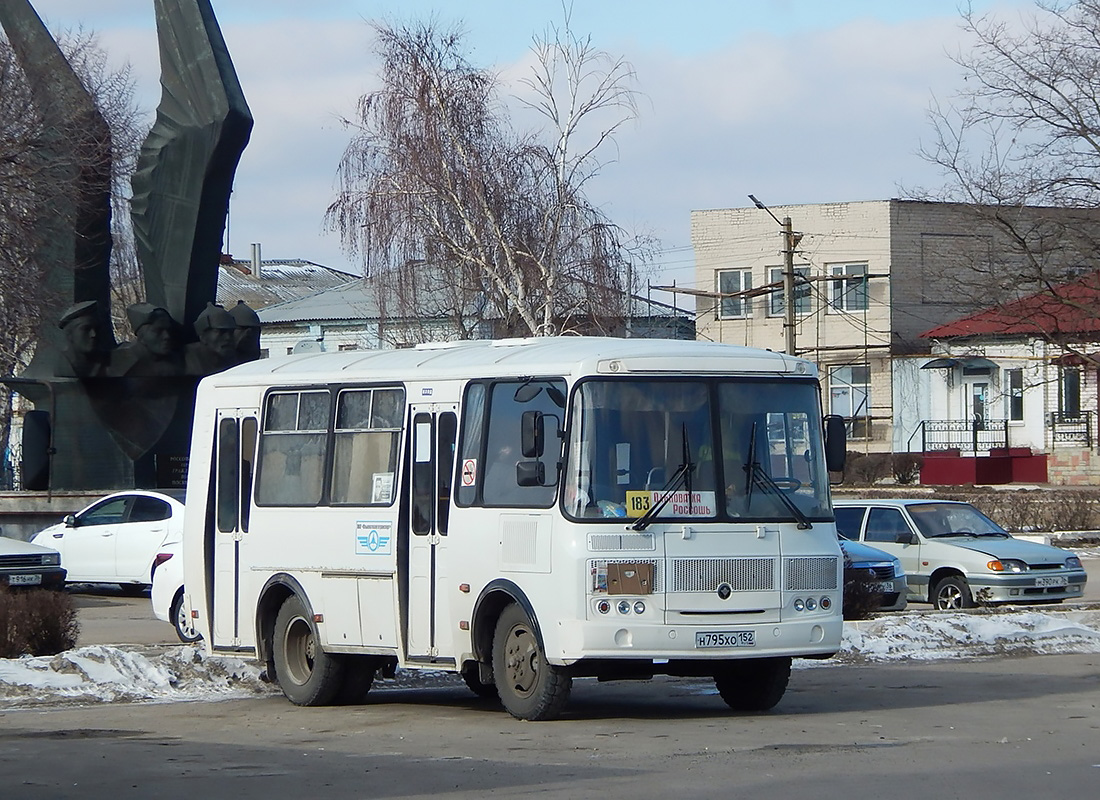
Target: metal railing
[
  {"x": 978, "y": 436},
  {"x": 1070, "y": 429}
]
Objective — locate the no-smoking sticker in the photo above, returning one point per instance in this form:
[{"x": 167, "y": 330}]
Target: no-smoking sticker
[{"x": 469, "y": 471}]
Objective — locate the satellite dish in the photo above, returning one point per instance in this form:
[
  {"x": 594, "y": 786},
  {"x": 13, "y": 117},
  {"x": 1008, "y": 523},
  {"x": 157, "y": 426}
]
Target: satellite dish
[{"x": 309, "y": 346}]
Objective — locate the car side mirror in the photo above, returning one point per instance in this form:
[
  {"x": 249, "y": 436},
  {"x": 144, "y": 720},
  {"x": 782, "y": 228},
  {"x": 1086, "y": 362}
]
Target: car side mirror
[
  {"x": 906, "y": 537},
  {"x": 69, "y": 521}
]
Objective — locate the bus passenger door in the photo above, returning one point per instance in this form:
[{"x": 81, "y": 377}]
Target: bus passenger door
[
  {"x": 235, "y": 459},
  {"x": 433, "y": 435}
]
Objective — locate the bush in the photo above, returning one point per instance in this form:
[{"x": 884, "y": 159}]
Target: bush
[
  {"x": 906, "y": 467},
  {"x": 860, "y": 600},
  {"x": 36, "y": 622},
  {"x": 866, "y": 469}
]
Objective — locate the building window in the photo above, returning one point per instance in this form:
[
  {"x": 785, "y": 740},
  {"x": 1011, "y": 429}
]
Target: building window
[
  {"x": 850, "y": 397},
  {"x": 850, "y": 294},
  {"x": 1014, "y": 394},
  {"x": 729, "y": 282},
  {"x": 1069, "y": 392},
  {"x": 777, "y": 300}
]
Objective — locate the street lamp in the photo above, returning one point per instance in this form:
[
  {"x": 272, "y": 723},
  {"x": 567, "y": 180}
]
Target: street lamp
[{"x": 790, "y": 241}]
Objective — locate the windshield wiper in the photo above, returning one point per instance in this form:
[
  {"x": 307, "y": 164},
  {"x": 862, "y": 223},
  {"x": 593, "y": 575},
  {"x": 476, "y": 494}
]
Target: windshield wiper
[
  {"x": 756, "y": 475},
  {"x": 681, "y": 476}
]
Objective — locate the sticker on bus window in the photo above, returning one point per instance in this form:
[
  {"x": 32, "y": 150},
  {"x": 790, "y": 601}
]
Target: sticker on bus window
[
  {"x": 382, "y": 488},
  {"x": 681, "y": 504},
  {"x": 373, "y": 538}
]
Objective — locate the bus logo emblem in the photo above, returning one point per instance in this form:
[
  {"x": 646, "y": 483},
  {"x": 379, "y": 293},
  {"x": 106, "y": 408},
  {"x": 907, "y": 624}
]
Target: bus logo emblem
[{"x": 373, "y": 538}]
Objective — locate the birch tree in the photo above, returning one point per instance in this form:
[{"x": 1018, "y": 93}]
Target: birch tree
[{"x": 474, "y": 225}]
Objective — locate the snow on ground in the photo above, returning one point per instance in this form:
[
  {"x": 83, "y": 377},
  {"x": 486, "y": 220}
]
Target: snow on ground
[{"x": 102, "y": 674}]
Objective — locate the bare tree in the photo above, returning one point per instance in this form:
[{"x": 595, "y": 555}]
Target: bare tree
[
  {"x": 470, "y": 222},
  {"x": 1021, "y": 143}
]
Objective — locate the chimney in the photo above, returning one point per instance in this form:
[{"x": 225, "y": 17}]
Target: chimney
[{"x": 256, "y": 259}]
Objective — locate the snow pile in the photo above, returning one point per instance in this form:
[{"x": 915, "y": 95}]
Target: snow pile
[
  {"x": 932, "y": 636},
  {"x": 101, "y": 674}
]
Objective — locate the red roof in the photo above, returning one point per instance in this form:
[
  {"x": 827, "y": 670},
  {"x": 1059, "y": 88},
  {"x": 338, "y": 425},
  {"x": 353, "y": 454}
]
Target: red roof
[{"x": 1071, "y": 308}]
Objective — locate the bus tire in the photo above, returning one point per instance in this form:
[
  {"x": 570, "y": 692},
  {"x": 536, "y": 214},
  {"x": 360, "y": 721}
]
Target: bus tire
[
  {"x": 529, "y": 686},
  {"x": 471, "y": 675},
  {"x": 307, "y": 674},
  {"x": 358, "y": 680},
  {"x": 753, "y": 684}
]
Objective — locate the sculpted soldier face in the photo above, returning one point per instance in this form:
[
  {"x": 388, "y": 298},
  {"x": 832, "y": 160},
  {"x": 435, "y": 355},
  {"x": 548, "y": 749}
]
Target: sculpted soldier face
[
  {"x": 81, "y": 335},
  {"x": 157, "y": 335}
]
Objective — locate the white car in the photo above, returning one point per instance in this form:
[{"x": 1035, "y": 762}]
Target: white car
[
  {"x": 26, "y": 564},
  {"x": 116, "y": 538},
  {"x": 167, "y": 594},
  {"x": 955, "y": 556}
]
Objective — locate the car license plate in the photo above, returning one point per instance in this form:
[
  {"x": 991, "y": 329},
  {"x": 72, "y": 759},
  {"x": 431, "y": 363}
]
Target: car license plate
[
  {"x": 1059, "y": 580},
  {"x": 725, "y": 639},
  {"x": 24, "y": 580}
]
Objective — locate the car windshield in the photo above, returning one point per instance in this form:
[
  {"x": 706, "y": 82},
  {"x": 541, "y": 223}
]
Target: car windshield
[
  {"x": 720, "y": 448},
  {"x": 953, "y": 519}
]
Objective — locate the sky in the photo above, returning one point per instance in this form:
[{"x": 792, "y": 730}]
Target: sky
[
  {"x": 795, "y": 101},
  {"x": 175, "y": 673}
]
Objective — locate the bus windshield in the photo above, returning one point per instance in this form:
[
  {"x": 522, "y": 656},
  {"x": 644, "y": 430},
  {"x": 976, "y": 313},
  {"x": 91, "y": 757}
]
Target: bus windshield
[{"x": 726, "y": 449}]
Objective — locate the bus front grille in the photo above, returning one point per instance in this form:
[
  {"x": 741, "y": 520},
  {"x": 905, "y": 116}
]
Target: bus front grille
[
  {"x": 707, "y": 574},
  {"x": 811, "y": 574}
]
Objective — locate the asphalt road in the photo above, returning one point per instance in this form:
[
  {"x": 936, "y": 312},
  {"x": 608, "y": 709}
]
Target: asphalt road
[
  {"x": 993, "y": 729},
  {"x": 1023, "y": 727}
]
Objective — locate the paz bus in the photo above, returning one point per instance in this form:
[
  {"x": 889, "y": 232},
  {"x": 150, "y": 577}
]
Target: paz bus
[{"x": 520, "y": 512}]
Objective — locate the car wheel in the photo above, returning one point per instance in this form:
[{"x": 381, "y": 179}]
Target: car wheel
[
  {"x": 953, "y": 593},
  {"x": 182, "y": 622}
]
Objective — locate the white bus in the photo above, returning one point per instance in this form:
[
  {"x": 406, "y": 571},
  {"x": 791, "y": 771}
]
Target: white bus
[{"x": 521, "y": 512}]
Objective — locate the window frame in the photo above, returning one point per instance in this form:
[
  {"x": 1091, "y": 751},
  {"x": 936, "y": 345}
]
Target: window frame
[
  {"x": 849, "y": 290},
  {"x": 743, "y": 304},
  {"x": 859, "y": 425},
  {"x": 803, "y": 304}
]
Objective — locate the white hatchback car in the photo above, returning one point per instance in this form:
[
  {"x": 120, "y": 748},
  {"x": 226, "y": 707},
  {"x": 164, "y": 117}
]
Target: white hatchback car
[
  {"x": 954, "y": 556},
  {"x": 167, "y": 594},
  {"x": 116, "y": 538}
]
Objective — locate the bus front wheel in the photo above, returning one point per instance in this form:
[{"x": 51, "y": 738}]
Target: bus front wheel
[
  {"x": 307, "y": 674},
  {"x": 753, "y": 684},
  {"x": 530, "y": 688}
]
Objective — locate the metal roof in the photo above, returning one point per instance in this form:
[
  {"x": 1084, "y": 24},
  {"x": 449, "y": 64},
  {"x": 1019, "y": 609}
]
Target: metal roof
[{"x": 279, "y": 281}]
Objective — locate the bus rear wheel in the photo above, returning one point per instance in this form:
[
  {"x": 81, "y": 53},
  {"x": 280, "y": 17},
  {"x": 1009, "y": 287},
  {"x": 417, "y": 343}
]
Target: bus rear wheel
[
  {"x": 753, "y": 684},
  {"x": 307, "y": 674},
  {"x": 530, "y": 688}
]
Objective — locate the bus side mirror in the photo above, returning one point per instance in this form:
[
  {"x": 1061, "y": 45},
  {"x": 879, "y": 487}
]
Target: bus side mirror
[
  {"x": 836, "y": 443},
  {"x": 531, "y": 439},
  {"x": 531, "y": 473}
]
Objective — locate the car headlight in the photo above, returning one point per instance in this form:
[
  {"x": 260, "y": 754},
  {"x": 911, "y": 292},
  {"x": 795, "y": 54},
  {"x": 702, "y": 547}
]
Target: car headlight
[
  {"x": 1007, "y": 565},
  {"x": 1073, "y": 562},
  {"x": 898, "y": 571},
  {"x": 51, "y": 559}
]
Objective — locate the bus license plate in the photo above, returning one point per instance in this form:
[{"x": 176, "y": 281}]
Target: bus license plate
[
  {"x": 725, "y": 639},
  {"x": 24, "y": 580},
  {"x": 1051, "y": 581}
]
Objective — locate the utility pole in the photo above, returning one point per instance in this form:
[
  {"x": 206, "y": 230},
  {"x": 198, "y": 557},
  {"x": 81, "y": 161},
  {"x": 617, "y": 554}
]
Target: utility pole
[
  {"x": 788, "y": 286},
  {"x": 790, "y": 242}
]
